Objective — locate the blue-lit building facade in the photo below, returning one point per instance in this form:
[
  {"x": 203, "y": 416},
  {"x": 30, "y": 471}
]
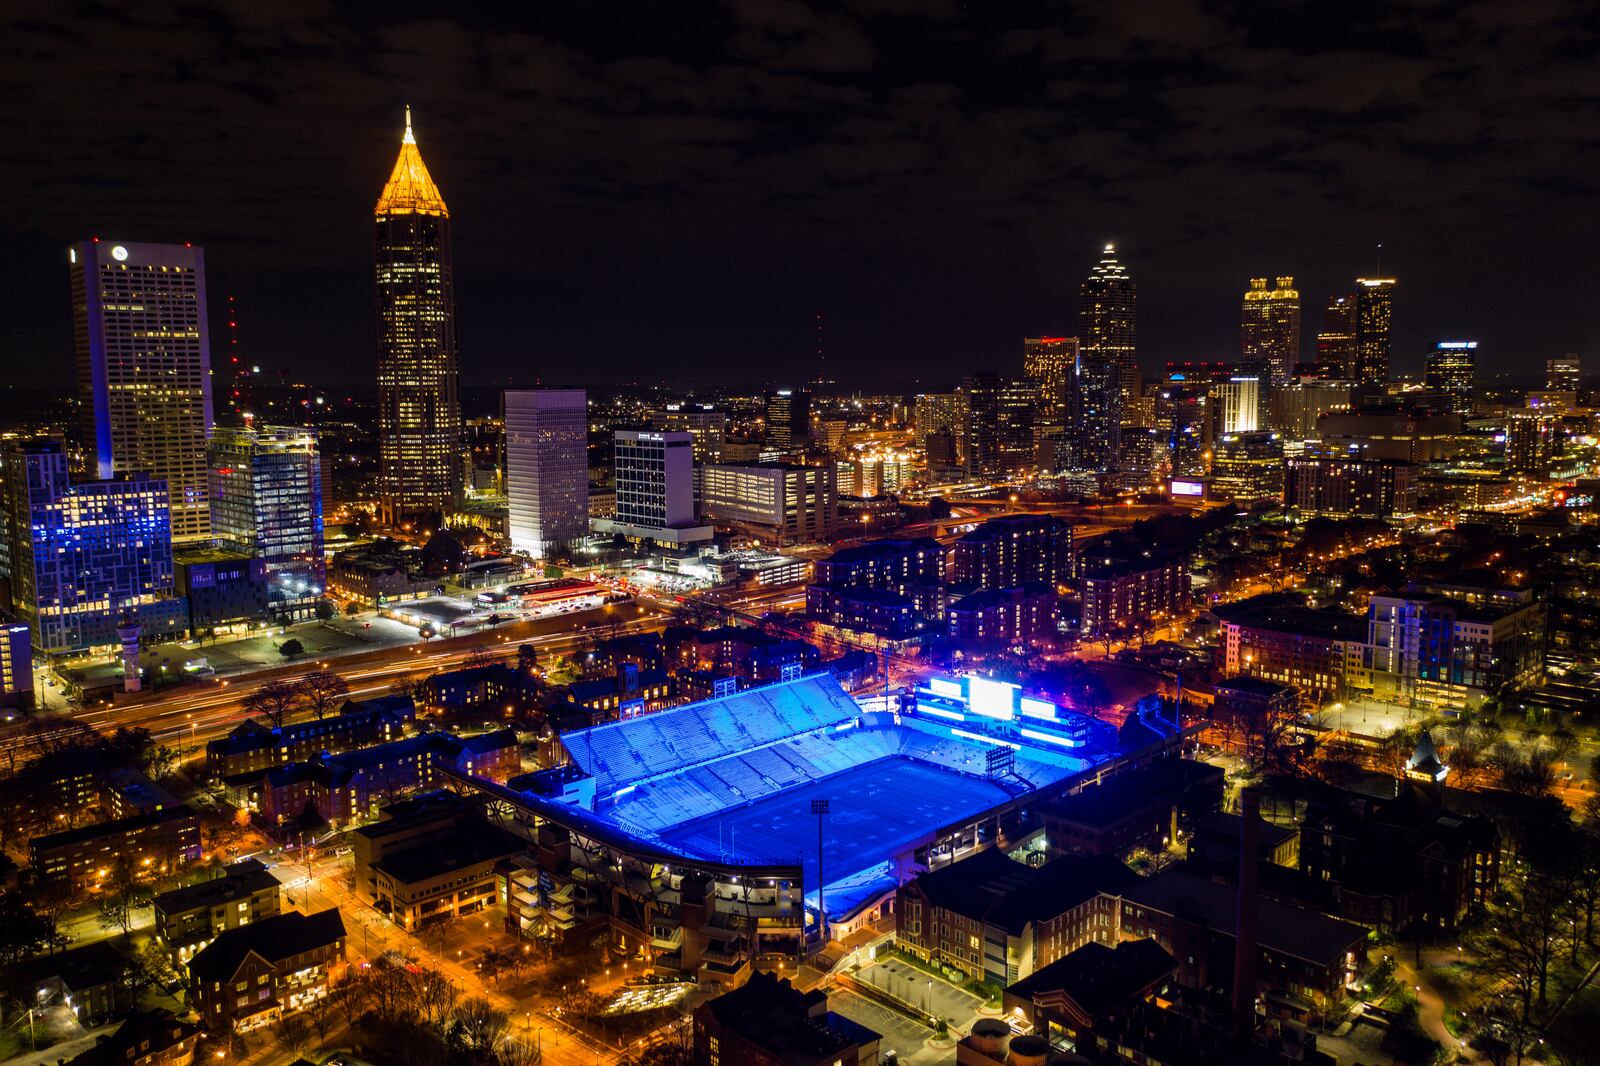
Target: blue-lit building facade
[
  {"x": 266, "y": 500},
  {"x": 82, "y": 557}
]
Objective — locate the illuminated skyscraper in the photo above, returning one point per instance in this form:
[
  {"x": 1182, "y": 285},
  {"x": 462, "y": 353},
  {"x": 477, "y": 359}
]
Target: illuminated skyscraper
[
  {"x": 1238, "y": 405},
  {"x": 1374, "y": 308},
  {"x": 547, "y": 469},
  {"x": 144, "y": 368},
  {"x": 82, "y": 558},
  {"x": 1049, "y": 364},
  {"x": 1108, "y": 370},
  {"x": 999, "y": 425},
  {"x": 1336, "y": 344},
  {"x": 266, "y": 499},
  {"x": 1562, "y": 373},
  {"x": 788, "y": 418},
  {"x": 1450, "y": 369},
  {"x": 1269, "y": 328},
  {"x": 419, "y": 416}
]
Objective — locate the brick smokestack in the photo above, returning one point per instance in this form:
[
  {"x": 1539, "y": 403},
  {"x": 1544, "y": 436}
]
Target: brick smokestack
[{"x": 1247, "y": 924}]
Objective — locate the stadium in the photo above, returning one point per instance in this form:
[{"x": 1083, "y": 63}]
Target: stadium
[{"x": 689, "y": 838}]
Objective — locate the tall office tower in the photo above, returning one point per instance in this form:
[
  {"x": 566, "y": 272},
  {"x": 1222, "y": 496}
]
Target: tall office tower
[
  {"x": 706, "y": 426},
  {"x": 1269, "y": 328},
  {"x": 266, "y": 499},
  {"x": 547, "y": 469},
  {"x": 999, "y": 425},
  {"x": 1108, "y": 372},
  {"x": 1450, "y": 369},
  {"x": 654, "y": 474},
  {"x": 1050, "y": 365},
  {"x": 1562, "y": 373},
  {"x": 1183, "y": 412},
  {"x": 788, "y": 418},
  {"x": 1238, "y": 405},
  {"x": 1247, "y": 468},
  {"x": 1293, "y": 410},
  {"x": 82, "y": 558},
  {"x": 419, "y": 415},
  {"x": 144, "y": 368},
  {"x": 1374, "y": 308},
  {"x": 1336, "y": 344}
]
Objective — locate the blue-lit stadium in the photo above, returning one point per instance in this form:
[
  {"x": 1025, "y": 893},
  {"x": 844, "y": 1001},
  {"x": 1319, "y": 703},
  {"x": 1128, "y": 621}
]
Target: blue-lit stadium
[{"x": 720, "y": 793}]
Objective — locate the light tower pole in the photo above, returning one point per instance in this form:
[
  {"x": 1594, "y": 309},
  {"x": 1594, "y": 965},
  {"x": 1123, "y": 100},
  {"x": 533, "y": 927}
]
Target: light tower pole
[{"x": 819, "y": 807}]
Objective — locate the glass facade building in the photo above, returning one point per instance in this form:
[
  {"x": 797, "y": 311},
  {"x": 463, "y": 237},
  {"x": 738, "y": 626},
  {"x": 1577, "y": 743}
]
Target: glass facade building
[
  {"x": 144, "y": 369},
  {"x": 82, "y": 557},
  {"x": 1269, "y": 329},
  {"x": 1108, "y": 369},
  {"x": 266, "y": 500}
]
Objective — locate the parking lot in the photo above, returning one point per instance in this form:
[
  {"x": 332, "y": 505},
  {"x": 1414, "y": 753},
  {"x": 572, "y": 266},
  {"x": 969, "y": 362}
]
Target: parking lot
[{"x": 904, "y": 1037}]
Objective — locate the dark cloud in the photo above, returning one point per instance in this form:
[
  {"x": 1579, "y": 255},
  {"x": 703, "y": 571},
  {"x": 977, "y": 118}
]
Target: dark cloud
[{"x": 676, "y": 189}]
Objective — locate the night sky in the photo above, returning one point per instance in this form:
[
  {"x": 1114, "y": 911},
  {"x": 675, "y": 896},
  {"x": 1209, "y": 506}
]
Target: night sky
[{"x": 673, "y": 190}]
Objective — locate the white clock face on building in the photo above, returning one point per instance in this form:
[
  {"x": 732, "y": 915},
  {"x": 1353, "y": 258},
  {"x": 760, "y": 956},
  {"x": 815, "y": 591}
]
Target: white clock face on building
[{"x": 119, "y": 253}]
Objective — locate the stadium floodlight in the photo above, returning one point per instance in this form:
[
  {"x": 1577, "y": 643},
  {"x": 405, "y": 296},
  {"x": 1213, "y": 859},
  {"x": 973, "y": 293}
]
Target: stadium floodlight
[{"x": 819, "y": 807}]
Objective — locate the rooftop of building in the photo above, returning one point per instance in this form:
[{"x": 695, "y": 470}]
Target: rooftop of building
[
  {"x": 1283, "y": 928},
  {"x": 983, "y": 599},
  {"x": 472, "y": 844},
  {"x": 1010, "y": 894},
  {"x": 119, "y": 825},
  {"x": 779, "y": 1018},
  {"x": 1130, "y": 792},
  {"x": 405, "y": 813},
  {"x": 1284, "y": 613},
  {"x": 243, "y": 878},
  {"x": 143, "y": 1033},
  {"x": 1099, "y": 978},
  {"x": 274, "y": 939},
  {"x": 1219, "y": 826},
  {"x": 1007, "y": 524},
  {"x": 182, "y": 556},
  {"x": 1254, "y": 686}
]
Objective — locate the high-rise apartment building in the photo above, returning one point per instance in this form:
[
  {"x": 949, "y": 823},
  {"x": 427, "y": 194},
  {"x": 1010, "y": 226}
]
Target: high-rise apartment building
[
  {"x": 654, "y": 474},
  {"x": 941, "y": 428},
  {"x": 82, "y": 558},
  {"x": 547, "y": 469},
  {"x": 706, "y": 426},
  {"x": 1374, "y": 309},
  {"x": 144, "y": 369},
  {"x": 1336, "y": 343},
  {"x": 419, "y": 414},
  {"x": 999, "y": 425},
  {"x": 1014, "y": 550},
  {"x": 1533, "y": 440},
  {"x": 779, "y": 503},
  {"x": 1108, "y": 367},
  {"x": 788, "y": 419},
  {"x": 1050, "y": 364},
  {"x": 1451, "y": 367},
  {"x": 266, "y": 499},
  {"x": 1269, "y": 328},
  {"x": 1562, "y": 373}
]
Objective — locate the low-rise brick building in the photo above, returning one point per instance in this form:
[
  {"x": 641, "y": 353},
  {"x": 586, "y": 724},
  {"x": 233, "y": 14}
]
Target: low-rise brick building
[{"x": 254, "y": 975}]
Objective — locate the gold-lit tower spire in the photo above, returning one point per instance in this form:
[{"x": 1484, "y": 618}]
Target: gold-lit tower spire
[{"x": 410, "y": 189}]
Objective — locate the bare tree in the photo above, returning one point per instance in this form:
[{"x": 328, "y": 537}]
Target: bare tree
[
  {"x": 322, "y": 690},
  {"x": 274, "y": 701},
  {"x": 293, "y": 1035}
]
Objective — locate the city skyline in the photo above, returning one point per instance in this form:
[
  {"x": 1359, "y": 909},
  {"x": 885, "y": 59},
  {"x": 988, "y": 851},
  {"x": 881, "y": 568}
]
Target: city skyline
[{"x": 613, "y": 126}]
